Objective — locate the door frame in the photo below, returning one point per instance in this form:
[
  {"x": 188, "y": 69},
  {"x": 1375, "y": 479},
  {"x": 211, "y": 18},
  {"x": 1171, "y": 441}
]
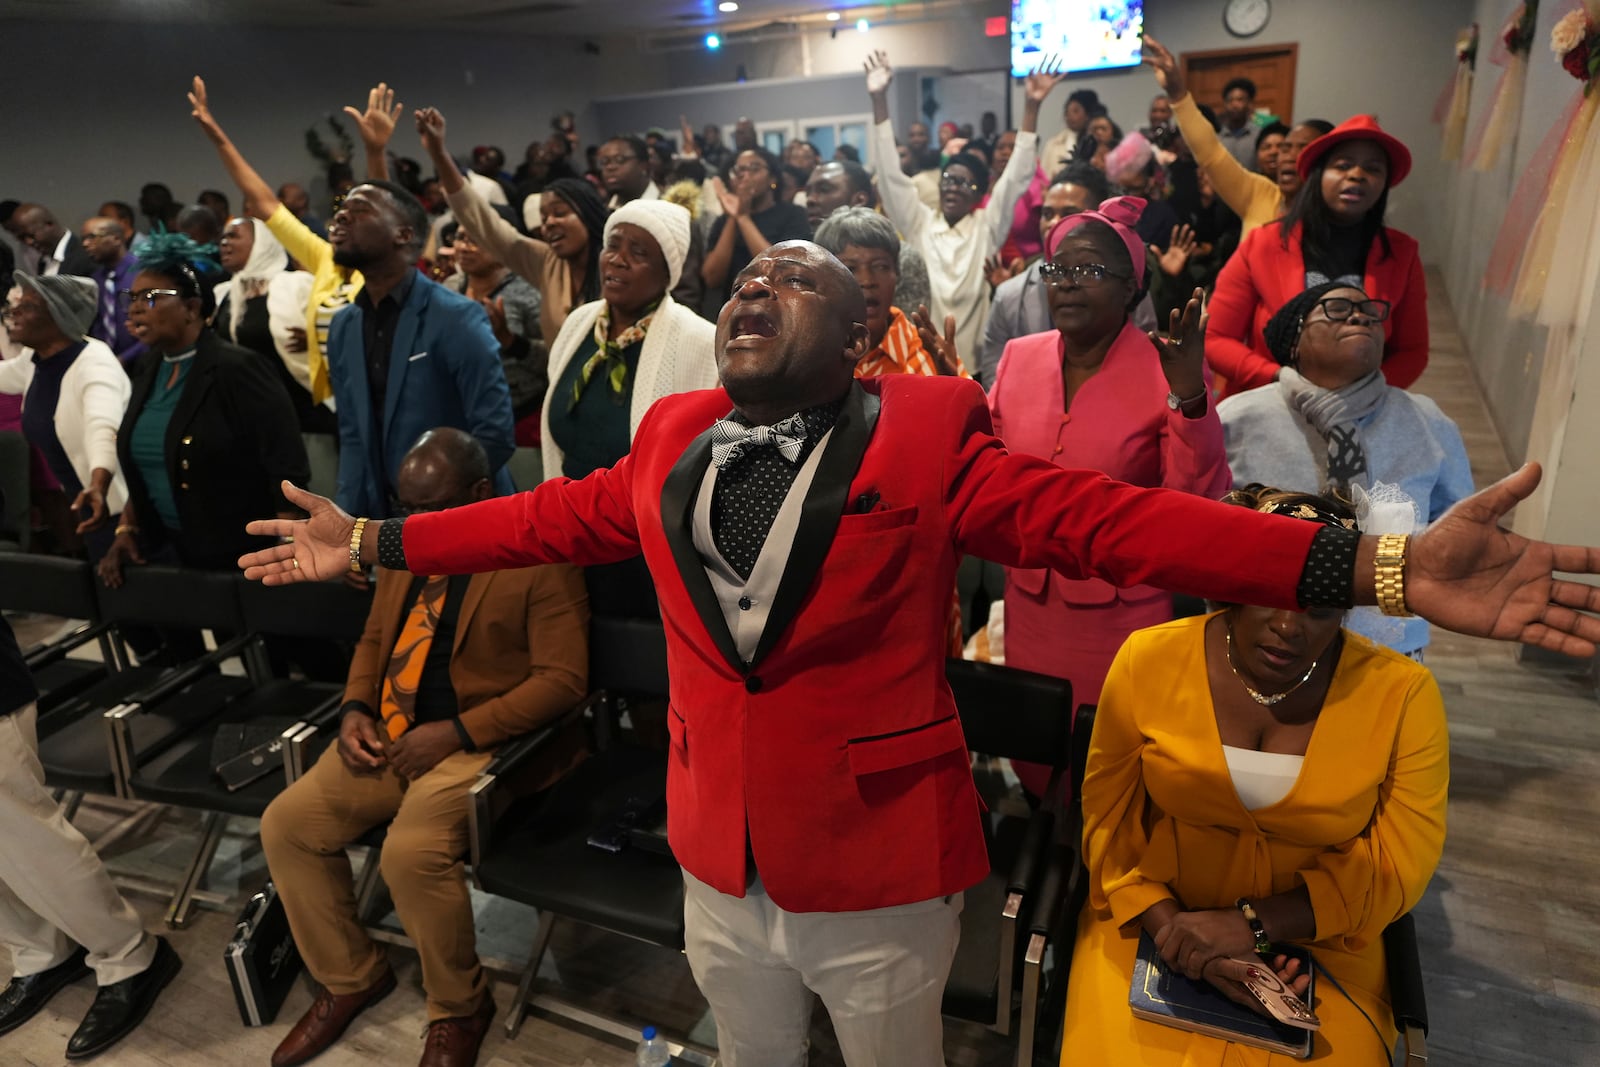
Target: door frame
[{"x": 1291, "y": 47}]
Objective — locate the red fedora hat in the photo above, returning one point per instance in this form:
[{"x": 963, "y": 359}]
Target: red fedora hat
[{"x": 1359, "y": 128}]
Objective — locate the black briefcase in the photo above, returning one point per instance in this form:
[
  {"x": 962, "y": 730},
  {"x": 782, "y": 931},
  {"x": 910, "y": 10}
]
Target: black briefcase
[{"x": 262, "y": 958}]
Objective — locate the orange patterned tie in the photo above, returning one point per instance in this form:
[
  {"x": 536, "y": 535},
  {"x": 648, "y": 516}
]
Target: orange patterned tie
[{"x": 410, "y": 653}]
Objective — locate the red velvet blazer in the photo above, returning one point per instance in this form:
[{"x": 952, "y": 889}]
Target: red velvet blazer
[
  {"x": 1263, "y": 275},
  {"x": 836, "y": 749}
]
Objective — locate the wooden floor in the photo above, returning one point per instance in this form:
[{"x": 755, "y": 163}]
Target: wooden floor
[{"x": 1510, "y": 928}]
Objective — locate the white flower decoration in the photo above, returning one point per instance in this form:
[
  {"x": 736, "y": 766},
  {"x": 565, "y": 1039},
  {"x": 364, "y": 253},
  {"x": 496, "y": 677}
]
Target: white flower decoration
[{"x": 1569, "y": 33}]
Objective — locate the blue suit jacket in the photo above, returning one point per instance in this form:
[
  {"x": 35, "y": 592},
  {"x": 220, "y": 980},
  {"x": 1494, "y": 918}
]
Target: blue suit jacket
[{"x": 444, "y": 370}]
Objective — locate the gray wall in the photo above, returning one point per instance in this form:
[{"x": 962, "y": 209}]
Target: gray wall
[{"x": 94, "y": 112}]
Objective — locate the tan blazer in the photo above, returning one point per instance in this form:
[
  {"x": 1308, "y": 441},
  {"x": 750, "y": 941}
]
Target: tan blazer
[{"x": 521, "y": 652}]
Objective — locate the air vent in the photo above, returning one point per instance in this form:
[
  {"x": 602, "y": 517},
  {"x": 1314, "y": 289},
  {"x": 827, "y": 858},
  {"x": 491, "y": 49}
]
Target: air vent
[{"x": 537, "y": 7}]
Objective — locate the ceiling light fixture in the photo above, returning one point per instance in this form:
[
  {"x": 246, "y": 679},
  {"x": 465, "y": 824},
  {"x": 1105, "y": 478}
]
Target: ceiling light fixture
[
  {"x": 862, "y": 26},
  {"x": 833, "y": 16},
  {"x": 727, "y": 7},
  {"x": 713, "y": 42}
]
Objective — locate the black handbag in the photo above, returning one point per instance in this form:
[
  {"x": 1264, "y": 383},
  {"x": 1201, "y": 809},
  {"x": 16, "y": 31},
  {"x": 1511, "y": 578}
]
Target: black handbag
[{"x": 262, "y": 959}]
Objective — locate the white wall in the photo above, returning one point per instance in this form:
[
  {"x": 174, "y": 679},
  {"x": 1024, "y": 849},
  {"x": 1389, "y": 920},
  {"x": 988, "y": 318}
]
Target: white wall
[{"x": 93, "y": 112}]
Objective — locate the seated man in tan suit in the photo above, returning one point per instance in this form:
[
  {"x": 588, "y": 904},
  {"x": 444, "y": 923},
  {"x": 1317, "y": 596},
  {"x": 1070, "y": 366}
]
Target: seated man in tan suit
[{"x": 447, "y": 669}]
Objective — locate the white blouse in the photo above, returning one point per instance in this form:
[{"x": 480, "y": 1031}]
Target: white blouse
[{"x": 1261, "y": 778}]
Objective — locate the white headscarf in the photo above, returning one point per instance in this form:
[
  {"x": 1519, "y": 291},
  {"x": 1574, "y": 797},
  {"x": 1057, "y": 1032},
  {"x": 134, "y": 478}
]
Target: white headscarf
[{"x": 267, "y": 261}]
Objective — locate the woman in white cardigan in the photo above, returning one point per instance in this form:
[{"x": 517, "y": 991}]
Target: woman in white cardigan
[
  {"x": 74, "y": 394},
  {"x": 615, "y": 357}
]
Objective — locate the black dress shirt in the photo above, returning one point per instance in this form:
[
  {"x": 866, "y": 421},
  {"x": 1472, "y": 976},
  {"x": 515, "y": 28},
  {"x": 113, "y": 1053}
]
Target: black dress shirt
[
  {"x": 377, "y": 337},
  {"x": 436, "y": 696}
]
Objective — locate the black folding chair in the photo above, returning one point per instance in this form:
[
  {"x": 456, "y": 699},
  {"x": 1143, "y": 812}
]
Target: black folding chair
[
  {"x": 1407, "y": 998},
  {"x": 536, "y": 851},
  {"x": 48, "y": 585},
  {"x": 184, "y": 773},
  {"x": 1013, "y": 714}
]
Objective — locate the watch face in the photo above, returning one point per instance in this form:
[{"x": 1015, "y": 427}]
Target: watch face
[{"x": 1246, "y": 18}]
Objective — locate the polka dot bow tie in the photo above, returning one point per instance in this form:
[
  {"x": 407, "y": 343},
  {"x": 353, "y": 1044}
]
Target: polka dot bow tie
[{"x": 730, "y": 439}]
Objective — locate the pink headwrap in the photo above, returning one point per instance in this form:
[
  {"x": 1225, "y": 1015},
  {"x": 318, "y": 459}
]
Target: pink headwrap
[
  {"x": 1120, "y": 213},
  {"x": 1133, "y": 153}
]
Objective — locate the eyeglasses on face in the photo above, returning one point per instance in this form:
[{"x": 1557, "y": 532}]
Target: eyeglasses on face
[
  {"x": 1340, "y": 308},
  {"x": 950, "y": 181},
  {"x": 614, "y": 161},
  {"x": 1083, "y": 274},
  {"x": 148, "y": 296},
  {"x": 745, "y": 169}
]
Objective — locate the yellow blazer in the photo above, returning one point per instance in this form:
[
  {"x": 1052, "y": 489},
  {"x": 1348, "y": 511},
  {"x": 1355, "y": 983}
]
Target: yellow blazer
[{"x": 1362, "y": 828}]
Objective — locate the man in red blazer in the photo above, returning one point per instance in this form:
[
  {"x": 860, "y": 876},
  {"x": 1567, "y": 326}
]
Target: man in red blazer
[{"x": 803, "y": 545}]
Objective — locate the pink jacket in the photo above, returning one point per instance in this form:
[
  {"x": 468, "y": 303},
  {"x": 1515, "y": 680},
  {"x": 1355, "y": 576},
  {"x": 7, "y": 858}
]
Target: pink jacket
[{"x": 1119, "y": 425}]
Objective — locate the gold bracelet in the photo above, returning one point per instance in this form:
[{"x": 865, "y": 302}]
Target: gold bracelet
[
  {"x": 124, "y": 529},
  {"x": 1391, "y": 574},
  {"x": 355, "y": 545}
]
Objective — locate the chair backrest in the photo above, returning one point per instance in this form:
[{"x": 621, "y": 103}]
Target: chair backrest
[
  {"x": 627, "y": 656},
  {"x": 14, "y": 502},
  {"x": 47, "y": 585},
  {"x": 174, "y": 596},
  {"x": 330, "y": 610},
  {"x": 1013, "y": 713}
]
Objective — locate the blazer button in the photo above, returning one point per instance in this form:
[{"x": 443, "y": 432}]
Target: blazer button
[
  {"x": 744, "y": 603},
  {"x": 188, "y": 440},
  {"x": 184, "y": 464},
  {"x": 752, "y": 684},
  {"x": 183, "y": 485}
]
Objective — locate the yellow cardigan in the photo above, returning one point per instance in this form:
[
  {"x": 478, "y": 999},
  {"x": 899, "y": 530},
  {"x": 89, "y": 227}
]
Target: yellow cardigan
[
  {"x": 1255, "y": 198},
  {"x": 1362, "y": 828},
  {"x": 332, "y": 288}
]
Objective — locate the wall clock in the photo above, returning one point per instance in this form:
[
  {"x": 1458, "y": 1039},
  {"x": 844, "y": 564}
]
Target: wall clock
[{"x": 1246, "y": 18}]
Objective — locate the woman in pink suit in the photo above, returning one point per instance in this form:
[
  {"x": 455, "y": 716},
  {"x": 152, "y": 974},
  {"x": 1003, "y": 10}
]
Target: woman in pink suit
[{"x": 1099, "y": 394}]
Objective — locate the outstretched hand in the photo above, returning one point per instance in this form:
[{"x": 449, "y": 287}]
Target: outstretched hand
[
  {"x": 1178, "y": 250},
  {"x": 1168, "y": 74},
  {"x": 1183, "y": 350},
  {"x": 1050, "y": 73},
  {"x": 318, "y": 548},
  {"x": 201, "y": 110},
  {"x": 879, "y": 73},
  {"x": 377, "y": 122},
  {"x": 1466, "y": 573},
  {"x": 430, "y": 127}
]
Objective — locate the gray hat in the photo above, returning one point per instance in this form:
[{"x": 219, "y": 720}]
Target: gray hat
[{"x": 69, "y": 299}]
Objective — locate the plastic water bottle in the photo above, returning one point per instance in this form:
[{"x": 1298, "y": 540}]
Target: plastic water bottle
[{"x": 653, "y": 1050}]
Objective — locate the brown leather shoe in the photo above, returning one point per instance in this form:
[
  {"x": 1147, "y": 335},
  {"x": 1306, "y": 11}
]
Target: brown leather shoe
[
  {"x": 455, "y": 1042},
  {"x": 326, "y": 1020}
]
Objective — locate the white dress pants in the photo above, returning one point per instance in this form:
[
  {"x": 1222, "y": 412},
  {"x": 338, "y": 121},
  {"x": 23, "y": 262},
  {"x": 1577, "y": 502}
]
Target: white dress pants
[
  {"x": 880, "y": 973},
  {"x": 54, "y": 892}
]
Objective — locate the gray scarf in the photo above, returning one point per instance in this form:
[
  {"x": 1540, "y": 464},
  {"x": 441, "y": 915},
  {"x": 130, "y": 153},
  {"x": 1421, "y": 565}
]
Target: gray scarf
[{"x": 1330, "y": 424}]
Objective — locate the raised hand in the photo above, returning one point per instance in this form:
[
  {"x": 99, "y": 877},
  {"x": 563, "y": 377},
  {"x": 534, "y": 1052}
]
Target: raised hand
[
  {"x": 1168, "y": 74},
  {"x": 732, "y": 203},
  {"x": 377, "y": 122},
  {"x": 996, "y": 270},
  {"x": 201, "y": 110},
  {"x": 943, "y": 349},
  {"x": 687, "y": 132},
  {"x": 430, "y": 127},
  {"x": 1466, "y": 573},
  {"x": 879, "y": 73},
  {"x": 318, "y": 548},
  {"x": 1049, "y": 74},
  {"x": 1183, "y": 351},
  {"x": 1177, "y": 253}
]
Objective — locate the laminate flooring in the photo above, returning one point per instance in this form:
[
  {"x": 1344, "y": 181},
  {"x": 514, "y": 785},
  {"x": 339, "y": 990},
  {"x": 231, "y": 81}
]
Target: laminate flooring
[{"x": 1509, "y": 929}]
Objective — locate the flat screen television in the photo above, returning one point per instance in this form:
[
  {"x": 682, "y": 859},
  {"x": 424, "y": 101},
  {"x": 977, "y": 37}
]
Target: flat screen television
[{"x": 1087, "y": 34}]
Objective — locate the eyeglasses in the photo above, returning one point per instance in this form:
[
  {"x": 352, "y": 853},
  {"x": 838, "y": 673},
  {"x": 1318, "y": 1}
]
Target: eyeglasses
[
  {"x": 614, "y": 161},
  {"x": 1082, "y": 274},
  {"x": 746, "y": 169},
  {"x": 1340, "y": 308},
  {"x": 148, "y": 296},
  {"x": 950, "y": 181}
]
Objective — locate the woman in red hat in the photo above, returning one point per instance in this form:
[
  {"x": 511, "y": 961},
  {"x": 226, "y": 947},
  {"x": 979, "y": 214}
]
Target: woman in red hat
[{"x": 1333, "y": 231}]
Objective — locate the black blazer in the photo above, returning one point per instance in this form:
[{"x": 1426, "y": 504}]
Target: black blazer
[
  {"x": 76, "y": 260},
  {"x": 232, "y": 439}
]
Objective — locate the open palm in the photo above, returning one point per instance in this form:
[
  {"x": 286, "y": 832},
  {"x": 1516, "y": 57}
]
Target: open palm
[{"x": 320, "y": 547}]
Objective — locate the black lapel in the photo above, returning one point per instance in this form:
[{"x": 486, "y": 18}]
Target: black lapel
[
  {"x": 678, "y": 495},
  {"x": 819, "y": 516}
]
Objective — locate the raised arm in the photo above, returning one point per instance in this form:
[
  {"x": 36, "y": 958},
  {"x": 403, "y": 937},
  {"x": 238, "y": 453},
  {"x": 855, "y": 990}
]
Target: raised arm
[
  {"x": 259, "y": 199},
  {"x": 376, "y": 124},
  {"x": 900, "y": 201},
  {"x": 1018, "y": 175}
]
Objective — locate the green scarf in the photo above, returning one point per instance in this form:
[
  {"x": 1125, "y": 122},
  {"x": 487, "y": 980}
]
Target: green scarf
[{"x": 608, "y": 354}]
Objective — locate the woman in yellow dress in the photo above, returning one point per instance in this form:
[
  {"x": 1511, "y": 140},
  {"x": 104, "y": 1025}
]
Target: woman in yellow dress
[{"x": 1261, "y": 756}]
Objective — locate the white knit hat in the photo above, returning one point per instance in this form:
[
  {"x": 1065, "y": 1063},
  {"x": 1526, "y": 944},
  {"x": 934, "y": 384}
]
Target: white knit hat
[{"x": 666, "y": 222}]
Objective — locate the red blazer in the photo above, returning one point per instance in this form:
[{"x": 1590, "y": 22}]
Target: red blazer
[
  {"x": 836, "y": 750},
  {"x": 1263, "y": 275}
]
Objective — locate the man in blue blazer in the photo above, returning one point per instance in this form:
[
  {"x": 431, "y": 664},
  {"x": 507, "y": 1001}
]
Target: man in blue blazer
[{"x": 407, "y": 355}]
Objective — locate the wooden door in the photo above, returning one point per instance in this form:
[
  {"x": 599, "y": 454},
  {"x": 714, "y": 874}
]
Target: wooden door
[{"x": 1271, "y": 67}]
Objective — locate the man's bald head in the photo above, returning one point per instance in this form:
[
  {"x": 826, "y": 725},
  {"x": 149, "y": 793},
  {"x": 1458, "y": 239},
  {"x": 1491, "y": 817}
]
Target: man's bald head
[
  {"x": 104, "y": 239},
  {"x": 446, "y": 468},
  {"x": 36, "y": 226}
]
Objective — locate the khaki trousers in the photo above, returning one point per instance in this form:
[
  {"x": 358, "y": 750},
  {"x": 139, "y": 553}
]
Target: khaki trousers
[
  {"x": 880, "y": 974},
  {"x": 304, "y": 833},
  {"x": 54, "y": 892}
]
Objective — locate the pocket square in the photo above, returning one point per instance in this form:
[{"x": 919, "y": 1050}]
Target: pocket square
[{"x": 420, "y": 355}]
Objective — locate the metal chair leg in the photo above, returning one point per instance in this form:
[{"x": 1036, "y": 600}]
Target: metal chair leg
[
  {"x": 519, "y": 1003},
  {"x": 71, "y": 799},
  {"x": 1415, "y": 1041},
  {"x": 1032, "y": 975},
  {"x": 182, "y": 904}
]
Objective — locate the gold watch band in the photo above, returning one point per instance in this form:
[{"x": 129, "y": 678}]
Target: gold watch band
[
  {"x": 355, "y": 545},
  {"x": 1391, "y": 574}
]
